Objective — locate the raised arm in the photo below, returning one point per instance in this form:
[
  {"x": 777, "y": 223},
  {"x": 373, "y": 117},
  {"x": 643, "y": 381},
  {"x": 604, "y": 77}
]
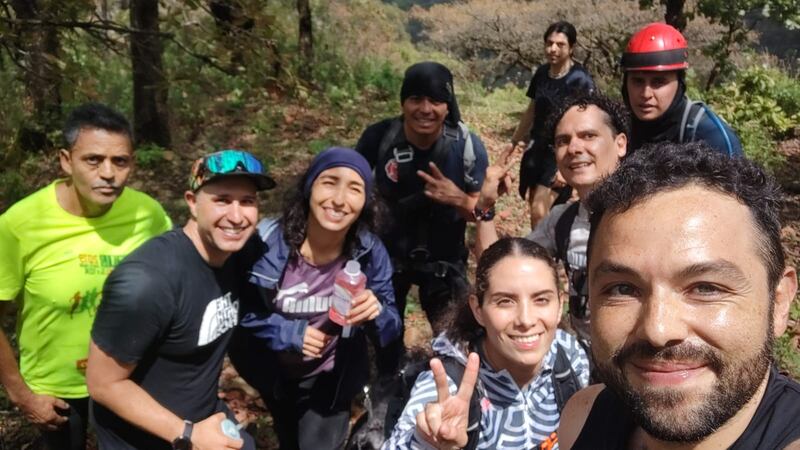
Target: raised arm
[{"x": 496, "y": 183}]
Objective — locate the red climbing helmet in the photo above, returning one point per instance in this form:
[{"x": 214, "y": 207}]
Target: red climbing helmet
[{"x": 656, "y": 47}]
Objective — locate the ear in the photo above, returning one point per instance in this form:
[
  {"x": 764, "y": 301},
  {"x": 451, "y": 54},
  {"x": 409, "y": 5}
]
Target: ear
[
  {"x": 784, "y": 295},
  {"x": 621, "y": 141},
  {"x": 477, "y": 311},
  {"x": 65, "y": 158},
  {"x": 191, "y": 201}
]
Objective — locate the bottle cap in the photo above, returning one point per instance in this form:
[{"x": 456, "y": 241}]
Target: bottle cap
[{"x": 352, "y": 268}]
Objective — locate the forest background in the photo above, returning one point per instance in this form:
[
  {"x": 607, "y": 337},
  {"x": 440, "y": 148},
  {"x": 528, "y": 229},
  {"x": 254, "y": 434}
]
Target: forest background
[{"x": 288, "y": 78}]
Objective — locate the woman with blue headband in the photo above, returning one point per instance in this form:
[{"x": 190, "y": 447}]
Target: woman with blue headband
[{"x": 306, "y": 367}]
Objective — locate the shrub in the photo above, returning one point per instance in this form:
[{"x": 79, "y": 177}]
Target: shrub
[{"x": 762, "y": 104}]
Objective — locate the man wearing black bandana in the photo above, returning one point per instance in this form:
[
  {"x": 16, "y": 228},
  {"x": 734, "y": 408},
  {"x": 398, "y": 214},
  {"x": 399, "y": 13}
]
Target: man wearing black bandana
[
  {"x": 429, "y": 169},
  {"x": 654, "y": 89}
]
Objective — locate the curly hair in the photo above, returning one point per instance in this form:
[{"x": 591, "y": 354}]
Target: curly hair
[
  {"x": 461, "y": 324},
  {"x": 295, "y": 219},
  {"x": 616, "y": 116},
  {"x": 667, "y": 166}
]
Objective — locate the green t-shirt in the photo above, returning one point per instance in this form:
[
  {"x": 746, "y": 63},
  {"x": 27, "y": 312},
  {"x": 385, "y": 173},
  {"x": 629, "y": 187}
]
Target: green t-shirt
[{"x": 54, "y": 263}]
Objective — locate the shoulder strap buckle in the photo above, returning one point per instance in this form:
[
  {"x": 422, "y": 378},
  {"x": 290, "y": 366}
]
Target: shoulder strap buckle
[{"x": 403, "y": 155}]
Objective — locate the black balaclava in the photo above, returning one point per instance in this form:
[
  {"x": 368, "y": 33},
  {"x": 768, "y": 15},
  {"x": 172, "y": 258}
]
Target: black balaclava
[
  {"x": 665, "y": 128},
  {"x": 431, "y": 79}
]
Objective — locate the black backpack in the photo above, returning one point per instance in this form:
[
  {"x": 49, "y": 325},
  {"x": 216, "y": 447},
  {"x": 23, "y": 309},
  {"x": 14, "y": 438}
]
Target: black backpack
[
  {"x": 578, "y": 300},
  {"x": 385, "y": 400}
]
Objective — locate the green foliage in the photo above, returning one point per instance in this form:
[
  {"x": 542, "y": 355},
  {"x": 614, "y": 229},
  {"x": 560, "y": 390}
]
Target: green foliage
[
  {"x": 149, "y": 156},
  {"x": 348, "y": 84},
  {"x": 12, "y": 188},
  {"x": 786, "y": 352},
  {"x": 761, "y": 104},
  {"x": 318, "y": 145}
]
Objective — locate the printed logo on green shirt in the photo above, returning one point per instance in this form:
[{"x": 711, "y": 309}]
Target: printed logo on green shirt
[
  {"x": 98, "y": 264},
  {"x": 84, "y": 303}
]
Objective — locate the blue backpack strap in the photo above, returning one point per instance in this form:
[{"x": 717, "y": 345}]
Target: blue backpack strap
[{"x": 692, "y": 116}]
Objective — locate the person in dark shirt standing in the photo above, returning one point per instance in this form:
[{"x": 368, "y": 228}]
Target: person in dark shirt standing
[
  {"x": 559, "y": 78},
  {"x": 167, "y": 315},
  {"x": 688, "y": 290},
  {"x": 429, "y": 169}
]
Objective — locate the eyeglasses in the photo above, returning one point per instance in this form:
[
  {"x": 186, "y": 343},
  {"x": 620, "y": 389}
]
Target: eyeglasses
[
  {"x": 228, "y": 161},
  {"x": 221, "y": 163}
]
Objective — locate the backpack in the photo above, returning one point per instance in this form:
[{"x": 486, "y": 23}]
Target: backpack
[
  {"x": 412, "y": 250},
  {"x": 693, "y": 113},
  {"x": 385, "y": 400},
  {"x": 451, "y": 134},
  {"x": 577, "y": 277}
]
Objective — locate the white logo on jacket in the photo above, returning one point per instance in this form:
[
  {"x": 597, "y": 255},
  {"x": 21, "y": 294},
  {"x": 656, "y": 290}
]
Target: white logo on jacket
[{"x": 221, "y": 315}]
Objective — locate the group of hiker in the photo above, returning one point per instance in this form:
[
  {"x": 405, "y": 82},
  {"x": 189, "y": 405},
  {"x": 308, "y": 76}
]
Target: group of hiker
[{"x": 669, "y": 236}]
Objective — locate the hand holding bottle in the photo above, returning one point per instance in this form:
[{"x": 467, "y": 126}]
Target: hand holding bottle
[{"x": 365, "y": 307}]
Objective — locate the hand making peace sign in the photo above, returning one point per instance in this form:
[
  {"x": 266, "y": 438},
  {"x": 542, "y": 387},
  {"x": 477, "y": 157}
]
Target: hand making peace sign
[
  {"x": 439, "y": 188},
  {"x": 443, "y": 423},
  {"x": 498, "y": 180}
]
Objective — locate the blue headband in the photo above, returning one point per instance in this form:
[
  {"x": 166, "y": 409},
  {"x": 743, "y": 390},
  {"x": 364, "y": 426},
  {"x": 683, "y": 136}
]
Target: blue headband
[{"x": 338, "y": 157}]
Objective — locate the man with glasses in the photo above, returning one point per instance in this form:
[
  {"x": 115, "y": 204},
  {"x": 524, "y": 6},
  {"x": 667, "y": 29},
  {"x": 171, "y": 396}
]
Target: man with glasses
[
  {"x": 168, "y": 312},
  {"x": 58, "y": 245}
]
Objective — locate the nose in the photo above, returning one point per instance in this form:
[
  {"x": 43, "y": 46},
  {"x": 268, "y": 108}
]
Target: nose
[
  {"x": 339, "y": 196},
  {"x": 426, "y": 105},
  {"x": 235, "y": 213},
  {"x": 106, "y": 170},
  {"x": 575, "y": 146},
  {"x": 526, "y": 315},
  {"x": 661, "y": 320},
  {"x": 647, "y": 90}
]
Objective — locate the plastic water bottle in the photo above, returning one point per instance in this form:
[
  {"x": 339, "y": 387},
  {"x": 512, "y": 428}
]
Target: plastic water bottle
[
  {"x": 230, "y": 429},
  {"x": 349, "y": 282}
]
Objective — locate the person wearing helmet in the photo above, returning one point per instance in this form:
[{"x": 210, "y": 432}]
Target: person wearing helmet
[
  {"x": 654, "y": 89},
  {"x": 552, "y": 82}
]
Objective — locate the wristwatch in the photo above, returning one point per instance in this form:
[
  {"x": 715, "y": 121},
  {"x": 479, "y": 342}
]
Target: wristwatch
[
  {"x": 184, "y": 441},
  {"x": 484, "y": 215}
]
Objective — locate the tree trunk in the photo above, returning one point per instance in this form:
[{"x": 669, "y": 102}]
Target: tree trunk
[
  {"x": 38, "y": 49},
  {"x": 305, "y": 40},
  {"x": 150, "y": 87},
  {"x": 234, "y": 26},
  {"x": 674, "y": 15}
]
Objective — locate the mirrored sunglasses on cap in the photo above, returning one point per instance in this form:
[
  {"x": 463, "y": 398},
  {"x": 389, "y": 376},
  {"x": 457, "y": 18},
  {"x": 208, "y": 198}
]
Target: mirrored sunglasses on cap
[{"x": 229, "y": 163}]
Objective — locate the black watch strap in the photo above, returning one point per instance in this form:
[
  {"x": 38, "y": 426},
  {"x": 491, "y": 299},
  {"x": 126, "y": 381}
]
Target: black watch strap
[
  {"x": 484, "y": 215},
  {"x": 184, "y": 441}
]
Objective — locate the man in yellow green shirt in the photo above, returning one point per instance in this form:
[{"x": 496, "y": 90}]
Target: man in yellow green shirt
[{"x": 58, "y": 246}]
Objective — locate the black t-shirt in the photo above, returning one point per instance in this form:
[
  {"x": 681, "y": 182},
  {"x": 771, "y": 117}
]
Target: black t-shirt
[
  {"x": 414, "y": 216},
  {"x": 775, "y": 424},
  {"x": 166, "y": 310},
  {"x": 547, "y": 92}
]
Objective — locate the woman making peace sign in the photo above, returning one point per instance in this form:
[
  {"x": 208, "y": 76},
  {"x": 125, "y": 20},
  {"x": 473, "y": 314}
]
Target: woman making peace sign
[{"x": 511, "y": 324}]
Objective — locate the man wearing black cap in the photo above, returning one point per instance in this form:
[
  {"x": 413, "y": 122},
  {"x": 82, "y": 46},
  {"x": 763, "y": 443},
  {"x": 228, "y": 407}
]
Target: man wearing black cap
[
  {"x": 167, "y": 315},
  {"x": 429, "y": 169}
]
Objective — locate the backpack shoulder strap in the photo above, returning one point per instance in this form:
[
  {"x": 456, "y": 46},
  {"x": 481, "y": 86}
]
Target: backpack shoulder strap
[
  {"x": 455, "y": 370},
  {"x": 469, "y": 153},
  {"x": 565, "y": 381},
  {"x": 388, "y": 138},
  {"x": 692, "y": 114},
  {"x": 563, "y": 229}
]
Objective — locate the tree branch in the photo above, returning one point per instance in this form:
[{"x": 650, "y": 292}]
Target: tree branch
[{"x": 91, "y": 25}]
